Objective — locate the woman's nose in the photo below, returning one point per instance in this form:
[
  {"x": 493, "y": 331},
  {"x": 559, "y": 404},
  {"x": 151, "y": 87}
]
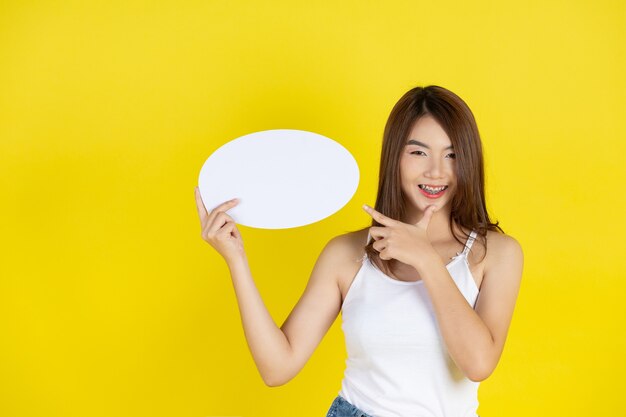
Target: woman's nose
[{"x": 434, "y": 169}]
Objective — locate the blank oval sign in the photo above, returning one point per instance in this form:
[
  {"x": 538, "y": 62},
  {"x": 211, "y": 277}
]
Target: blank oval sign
[{"x": 283, "y": 178}]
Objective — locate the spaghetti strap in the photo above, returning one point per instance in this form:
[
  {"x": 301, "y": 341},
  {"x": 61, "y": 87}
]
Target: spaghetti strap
[{"x": 470, "y": 241}]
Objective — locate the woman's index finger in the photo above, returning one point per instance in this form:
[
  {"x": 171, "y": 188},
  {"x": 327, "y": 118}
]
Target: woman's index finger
[
  {"x": 379, "y": 217},
  {"x": 224, "y": 207}
]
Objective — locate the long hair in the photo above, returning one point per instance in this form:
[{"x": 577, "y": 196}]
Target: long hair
[{"x": 468, "y": 208}]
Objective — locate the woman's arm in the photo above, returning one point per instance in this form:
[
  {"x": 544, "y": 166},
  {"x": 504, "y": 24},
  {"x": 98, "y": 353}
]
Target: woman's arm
[
  {"x": 269, "y": 347},
  {"x": 280, "y": 353},
  {"x": 475, "y": 338}
]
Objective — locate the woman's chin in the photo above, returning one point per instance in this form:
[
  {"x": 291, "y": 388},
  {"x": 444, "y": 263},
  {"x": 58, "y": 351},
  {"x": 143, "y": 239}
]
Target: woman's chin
[
  {"x": 421, "y": 203},
  {"x": 439, "y": 205}
]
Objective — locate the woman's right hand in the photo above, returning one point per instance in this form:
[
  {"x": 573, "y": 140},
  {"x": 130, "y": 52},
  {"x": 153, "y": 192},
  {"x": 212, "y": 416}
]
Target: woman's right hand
[{"x": 220, "y": 230}]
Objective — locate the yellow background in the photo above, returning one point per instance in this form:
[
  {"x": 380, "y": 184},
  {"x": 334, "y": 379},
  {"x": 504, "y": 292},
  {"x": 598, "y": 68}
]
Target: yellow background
[{"x": 111, "y": 304}]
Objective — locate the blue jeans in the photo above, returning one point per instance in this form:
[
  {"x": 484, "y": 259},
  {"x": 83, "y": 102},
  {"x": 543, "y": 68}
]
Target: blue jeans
[{"x": 342, "y": 408}]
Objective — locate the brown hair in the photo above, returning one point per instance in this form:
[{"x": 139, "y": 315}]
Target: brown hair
[{"x": 468, "y": 208}]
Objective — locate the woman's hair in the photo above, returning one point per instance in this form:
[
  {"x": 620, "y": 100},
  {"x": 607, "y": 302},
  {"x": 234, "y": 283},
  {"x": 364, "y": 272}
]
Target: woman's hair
[{"x": 468, "y": 208}]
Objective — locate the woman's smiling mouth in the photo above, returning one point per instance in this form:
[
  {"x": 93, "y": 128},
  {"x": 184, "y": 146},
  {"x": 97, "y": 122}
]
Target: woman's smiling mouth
[{"x": 432, "y": 191}]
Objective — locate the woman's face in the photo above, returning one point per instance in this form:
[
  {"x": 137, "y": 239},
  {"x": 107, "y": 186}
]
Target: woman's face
[{"x": 427, "y": 162}]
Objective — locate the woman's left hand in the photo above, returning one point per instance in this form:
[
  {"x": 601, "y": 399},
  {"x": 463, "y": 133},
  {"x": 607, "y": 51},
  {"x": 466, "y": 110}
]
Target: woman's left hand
[{"x": 407, "y": 243}]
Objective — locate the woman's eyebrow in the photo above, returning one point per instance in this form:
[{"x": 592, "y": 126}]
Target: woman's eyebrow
[{"x": 418, "y": 143}]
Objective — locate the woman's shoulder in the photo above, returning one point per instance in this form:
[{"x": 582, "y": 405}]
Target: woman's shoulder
[
  {"x": 501, "y": 240},
  {"x": 346, "y": 251},
  {"x": 350, "y": 244},
  {"x": 502, "y": 247}
]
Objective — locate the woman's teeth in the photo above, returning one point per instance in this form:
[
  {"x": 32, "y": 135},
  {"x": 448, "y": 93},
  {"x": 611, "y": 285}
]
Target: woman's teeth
[{"x": 432, "y": 190}]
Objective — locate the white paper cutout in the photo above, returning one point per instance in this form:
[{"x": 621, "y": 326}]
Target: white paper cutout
[{"x": 284, "y": 178}]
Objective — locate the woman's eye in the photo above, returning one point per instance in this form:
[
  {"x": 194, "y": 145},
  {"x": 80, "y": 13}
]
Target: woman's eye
[{"x": 451, "y": 155}]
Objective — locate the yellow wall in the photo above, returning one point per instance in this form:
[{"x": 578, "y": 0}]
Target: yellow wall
[{"x": 112, "y": 305}]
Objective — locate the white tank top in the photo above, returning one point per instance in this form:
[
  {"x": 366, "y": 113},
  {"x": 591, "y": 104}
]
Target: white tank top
[{"x": 397, "y": 364}]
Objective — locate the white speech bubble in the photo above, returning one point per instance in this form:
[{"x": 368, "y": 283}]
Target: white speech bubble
[{"x": 283, "y": 178}]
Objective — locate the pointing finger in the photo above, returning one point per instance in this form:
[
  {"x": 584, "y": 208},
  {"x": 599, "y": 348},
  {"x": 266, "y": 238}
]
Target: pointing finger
[{"x": 379, "y": 217}]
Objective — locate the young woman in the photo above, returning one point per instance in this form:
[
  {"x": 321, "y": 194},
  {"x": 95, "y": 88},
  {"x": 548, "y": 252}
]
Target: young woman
[{"x": 426, "y": 293}]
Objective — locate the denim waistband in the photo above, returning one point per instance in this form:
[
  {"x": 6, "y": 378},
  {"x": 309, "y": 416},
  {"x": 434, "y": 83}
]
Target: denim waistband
[{"x": 342, "y": 408}]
